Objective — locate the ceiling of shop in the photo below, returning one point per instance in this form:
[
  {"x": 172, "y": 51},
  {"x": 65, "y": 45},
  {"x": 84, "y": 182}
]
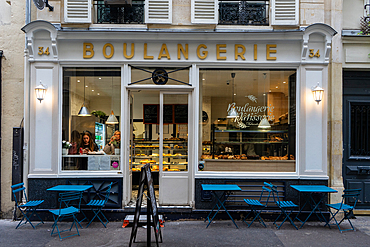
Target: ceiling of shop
[{"x": 217, "y": 83}]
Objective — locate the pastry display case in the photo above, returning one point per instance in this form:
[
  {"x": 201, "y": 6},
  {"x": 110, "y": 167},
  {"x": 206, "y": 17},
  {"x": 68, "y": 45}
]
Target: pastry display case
[{"x": 175, "y": 156}]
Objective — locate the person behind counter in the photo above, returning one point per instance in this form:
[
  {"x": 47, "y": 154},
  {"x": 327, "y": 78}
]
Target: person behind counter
[
  {"x": 114, "y": 143},
  {"x": 87, "y": 144}
]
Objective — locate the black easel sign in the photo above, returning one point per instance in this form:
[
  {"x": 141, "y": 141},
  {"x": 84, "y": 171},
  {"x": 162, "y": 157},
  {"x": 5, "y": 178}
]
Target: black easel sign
[{"x": 146, "y": 180}]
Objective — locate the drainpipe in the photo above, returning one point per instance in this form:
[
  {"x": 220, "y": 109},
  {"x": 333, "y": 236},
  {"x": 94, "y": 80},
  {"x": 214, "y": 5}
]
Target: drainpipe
[{"x": 1, "y": 56}]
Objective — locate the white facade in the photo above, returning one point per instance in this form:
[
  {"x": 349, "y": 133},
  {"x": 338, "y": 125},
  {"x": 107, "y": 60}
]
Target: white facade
[{"x": 293, "y": 50}]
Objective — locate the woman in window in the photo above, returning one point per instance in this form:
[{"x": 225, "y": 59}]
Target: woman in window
[
  {"x": 115, "y": 142},
  {"x": 87, "y": 144}
]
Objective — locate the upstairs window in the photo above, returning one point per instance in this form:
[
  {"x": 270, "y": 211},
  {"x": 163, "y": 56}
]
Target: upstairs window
[
  {"x": 243, "y": 12},
  {"x": 116, "y": 14}
]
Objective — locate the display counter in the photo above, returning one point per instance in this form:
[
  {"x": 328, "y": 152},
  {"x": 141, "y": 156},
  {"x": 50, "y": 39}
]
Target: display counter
[{"x": 249, "y": 165}]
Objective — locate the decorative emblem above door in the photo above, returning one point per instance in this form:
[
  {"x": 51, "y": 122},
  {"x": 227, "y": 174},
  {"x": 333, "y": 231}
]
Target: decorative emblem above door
[{"x": 160, "y": 77}]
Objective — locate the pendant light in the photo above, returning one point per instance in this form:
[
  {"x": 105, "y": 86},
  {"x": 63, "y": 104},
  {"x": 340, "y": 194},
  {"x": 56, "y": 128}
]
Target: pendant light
[
  {"x": 84, "y": 112},
  {"x": 112, "y": 118},
  {"x": 232, "y": 113},
  {"x": 264, "y": 124}
]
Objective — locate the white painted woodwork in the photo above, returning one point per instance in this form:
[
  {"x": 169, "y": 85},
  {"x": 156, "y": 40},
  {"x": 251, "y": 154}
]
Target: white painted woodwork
[
  {"x": 77, "y": 11},
  {"x": 158, "y": 11},
  {"x": 285, "y": 12},
  {"x": 204, "y": 11}
]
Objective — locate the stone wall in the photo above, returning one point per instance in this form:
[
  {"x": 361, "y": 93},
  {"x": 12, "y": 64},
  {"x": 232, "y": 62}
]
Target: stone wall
[{"x": 12, "y": 43}]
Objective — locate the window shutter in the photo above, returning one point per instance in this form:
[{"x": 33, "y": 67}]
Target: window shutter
[
  {"x": 158, "y": 11},
  {"x": 285, "y": 12},
  {"x": 77, "y": 11},
  {"x": 204, "y": 11}
]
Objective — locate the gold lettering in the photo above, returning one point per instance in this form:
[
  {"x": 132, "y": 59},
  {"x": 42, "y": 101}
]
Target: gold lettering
[
  {"x": 146, "y": 52},
  {"x": 239, "y": 54},
  {"x": 105, "y": 50},
  {"x": 255, "y": 52},
  {"x": 164, "y": 52},
  {"x": 88, "y": 47},
  {"x": 41, "y": 50},
  {"x": 125, "y": 51},
  {"x": 204, "y": 53},
  {"x": 269, "y": 51},
  {"x": 218, "y": 51},
  {"x": 184, "y": 52}
]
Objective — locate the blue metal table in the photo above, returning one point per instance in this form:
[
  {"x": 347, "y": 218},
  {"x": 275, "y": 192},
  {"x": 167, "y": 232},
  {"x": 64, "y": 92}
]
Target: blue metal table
[
  {"x": 226, "y": 189},
  {"x": 71, "y": 187},
  {"x": 309, "y": 191}
]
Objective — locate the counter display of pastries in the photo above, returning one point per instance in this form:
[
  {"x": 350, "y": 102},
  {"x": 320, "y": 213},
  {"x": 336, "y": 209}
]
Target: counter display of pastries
[{"x": 245, "y": 157}]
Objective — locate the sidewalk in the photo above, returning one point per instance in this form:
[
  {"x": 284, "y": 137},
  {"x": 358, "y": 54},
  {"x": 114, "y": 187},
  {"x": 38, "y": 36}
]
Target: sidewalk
[{"x": 193, "y": 233}]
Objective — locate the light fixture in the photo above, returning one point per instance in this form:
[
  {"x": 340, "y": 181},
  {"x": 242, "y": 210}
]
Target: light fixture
[
  {"x": 232, "y": 112},
  {"x": 40, "y": 91},
  {"x": 84, "y": 112},
  {"x": 264, "y": 124},
  {"x": 112, "y": 118},
  {"x": 317, "y": 93}
]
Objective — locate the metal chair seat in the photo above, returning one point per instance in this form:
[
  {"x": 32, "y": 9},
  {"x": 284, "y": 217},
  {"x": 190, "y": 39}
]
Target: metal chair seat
[
  {"x": 65, "y": 211},
  {"x": 32, "y": 203},
  {"x": 286, "y": 204},
  {"x": 339, "y": 206},
  {"x": 253, "y": 202},
  {"x": 96, "y": 203}
]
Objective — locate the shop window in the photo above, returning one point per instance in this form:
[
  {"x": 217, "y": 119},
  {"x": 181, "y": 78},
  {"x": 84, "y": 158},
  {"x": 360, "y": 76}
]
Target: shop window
[
  {"x": 89, "y": 135},
  {"x": 247, "y": 120}
]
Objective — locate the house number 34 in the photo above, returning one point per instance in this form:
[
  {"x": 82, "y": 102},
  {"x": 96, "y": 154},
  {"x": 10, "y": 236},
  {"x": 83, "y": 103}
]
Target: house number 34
[
  {"x": 42, "y": 52},
  {"x": 313, "y": 54}
]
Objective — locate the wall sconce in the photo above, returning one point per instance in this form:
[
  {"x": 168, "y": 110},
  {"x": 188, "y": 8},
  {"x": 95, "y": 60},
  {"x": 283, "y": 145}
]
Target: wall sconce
[
  {"x": 40, "y": 91},
  {"x": 317, "y": 93}
]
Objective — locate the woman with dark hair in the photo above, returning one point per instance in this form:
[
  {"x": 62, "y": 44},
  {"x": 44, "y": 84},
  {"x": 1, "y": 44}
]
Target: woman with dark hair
[
  {"x": 87, "y": 144},
  {"x": 75, "y": 141}
]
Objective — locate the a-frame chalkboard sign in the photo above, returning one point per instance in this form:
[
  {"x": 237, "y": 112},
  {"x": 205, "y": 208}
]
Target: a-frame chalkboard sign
[{"x": 146, "y": 182}]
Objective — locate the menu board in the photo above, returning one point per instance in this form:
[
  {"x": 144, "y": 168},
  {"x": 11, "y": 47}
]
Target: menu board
[
  {"x": 150, "y": 114},
  {"x": 168, "y": 114},
  {"x": 173, "y": 114},
  {"x": 181, "y": 114}
]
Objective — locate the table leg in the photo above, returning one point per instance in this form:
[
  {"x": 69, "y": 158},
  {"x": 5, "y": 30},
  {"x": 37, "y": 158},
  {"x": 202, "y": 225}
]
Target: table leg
[
  {"x": 314, "y": 207},
  {"x": 222, "y": 205}
]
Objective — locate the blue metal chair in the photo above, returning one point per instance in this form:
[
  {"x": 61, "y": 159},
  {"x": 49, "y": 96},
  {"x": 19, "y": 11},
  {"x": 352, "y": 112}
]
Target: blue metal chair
[
  {"x": 256, "y": 206},
  {"x": 345, "y": 208},
  {"x": 286, "y": 207},
  {"x": 29, "y": 208},
  {"x": 66, "y": 211},
  {"x": 97, "y": 205}
]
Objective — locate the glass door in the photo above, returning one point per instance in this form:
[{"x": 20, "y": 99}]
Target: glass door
[{"x": 174, "y": 184}]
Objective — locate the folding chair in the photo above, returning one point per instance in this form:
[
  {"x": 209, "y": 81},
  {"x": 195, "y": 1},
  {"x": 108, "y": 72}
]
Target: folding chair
[
  {"x": 286, "y": 207},
  {"x": 347, "y": 209},
  {"x": 256, "y": 206},
  {"x": 97, "y": 205},
  {"x": 29, "y": 208},
  {"x": 66, "y": 211}
]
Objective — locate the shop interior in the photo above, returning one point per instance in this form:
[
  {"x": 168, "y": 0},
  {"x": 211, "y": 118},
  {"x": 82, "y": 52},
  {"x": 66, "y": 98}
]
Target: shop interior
[{"x": 248, "y": 120}]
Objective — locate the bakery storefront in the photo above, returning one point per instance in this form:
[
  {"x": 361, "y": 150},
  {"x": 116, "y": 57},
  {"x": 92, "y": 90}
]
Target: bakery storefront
[{"x": 200, "y": 107}]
